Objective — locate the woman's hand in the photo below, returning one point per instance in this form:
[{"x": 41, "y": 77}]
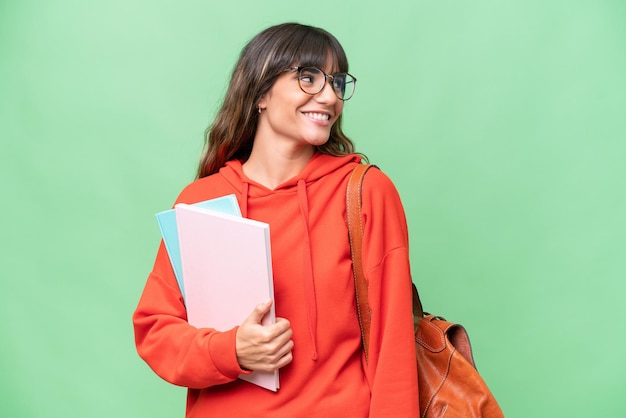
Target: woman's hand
[{"x": 263, "y": 347}]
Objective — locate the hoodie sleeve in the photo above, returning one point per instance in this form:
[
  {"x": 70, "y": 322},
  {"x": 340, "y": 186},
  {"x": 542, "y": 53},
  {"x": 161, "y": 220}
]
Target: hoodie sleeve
[
  {"x": 176, "y": 351},
  {"x": 392, "y": 368}
]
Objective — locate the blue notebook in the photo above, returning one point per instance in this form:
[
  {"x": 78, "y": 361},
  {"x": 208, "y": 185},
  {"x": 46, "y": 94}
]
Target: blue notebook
[{"x": 169, "y": 229}]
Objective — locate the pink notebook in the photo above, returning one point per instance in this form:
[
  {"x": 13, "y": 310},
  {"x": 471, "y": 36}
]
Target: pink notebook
[{"x": 227, "y": 271}]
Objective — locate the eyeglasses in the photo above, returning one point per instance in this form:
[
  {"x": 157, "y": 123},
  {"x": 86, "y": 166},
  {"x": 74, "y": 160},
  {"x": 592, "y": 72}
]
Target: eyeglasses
[{"x": 312, "y": 80}]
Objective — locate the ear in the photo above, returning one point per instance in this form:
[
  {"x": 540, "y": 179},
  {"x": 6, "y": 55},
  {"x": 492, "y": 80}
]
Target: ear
[{"x": 262, "y": 103}]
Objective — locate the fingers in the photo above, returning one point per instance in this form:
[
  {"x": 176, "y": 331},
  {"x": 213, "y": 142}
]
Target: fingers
[
  {"x": 278, "y": 338},
  {"x": 282, "y": 357},
  {"x": 281, "y": 327},
  {"x": 259, "y": 312},
  {"x": 262, "y": 347},
  {"x": 283, "y": 352},
  {"x": 279, "y": 359}
]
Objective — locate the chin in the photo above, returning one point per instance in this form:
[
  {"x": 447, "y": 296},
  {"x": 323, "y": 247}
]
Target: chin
[{"x": 317, "y": 142}]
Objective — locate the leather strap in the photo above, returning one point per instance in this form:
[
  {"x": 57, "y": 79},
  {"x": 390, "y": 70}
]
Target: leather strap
[{"x": 355, "y": 234}]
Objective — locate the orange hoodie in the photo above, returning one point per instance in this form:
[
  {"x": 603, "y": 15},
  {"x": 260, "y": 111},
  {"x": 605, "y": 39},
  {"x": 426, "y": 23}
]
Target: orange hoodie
[{"x": 313, "y": 289}]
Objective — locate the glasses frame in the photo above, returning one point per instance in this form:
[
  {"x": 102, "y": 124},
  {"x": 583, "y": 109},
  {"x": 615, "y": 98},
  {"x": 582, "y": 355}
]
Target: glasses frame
[{"x": 327, "y": 77}]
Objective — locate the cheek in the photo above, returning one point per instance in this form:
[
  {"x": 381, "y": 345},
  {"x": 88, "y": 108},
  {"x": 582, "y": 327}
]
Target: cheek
[{"x": 338, "y": 107}]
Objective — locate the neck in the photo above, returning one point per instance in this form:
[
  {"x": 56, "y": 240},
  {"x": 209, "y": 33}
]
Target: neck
[{"x": 272, "y": 167}]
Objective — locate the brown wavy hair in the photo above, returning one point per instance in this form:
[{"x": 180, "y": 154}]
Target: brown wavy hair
[{"x": 260, "y": 62}]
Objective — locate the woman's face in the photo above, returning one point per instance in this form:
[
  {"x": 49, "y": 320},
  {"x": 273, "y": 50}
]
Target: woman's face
[{"x": 289, "y": 114}]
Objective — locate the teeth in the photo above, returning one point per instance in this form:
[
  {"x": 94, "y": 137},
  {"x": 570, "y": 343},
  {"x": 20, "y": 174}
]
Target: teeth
[{"x": 318, "y": 116}]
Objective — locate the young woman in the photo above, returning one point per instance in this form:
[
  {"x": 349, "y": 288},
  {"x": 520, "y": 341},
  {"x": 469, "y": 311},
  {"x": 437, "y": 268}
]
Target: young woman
[{"x": 277, "y": 144}]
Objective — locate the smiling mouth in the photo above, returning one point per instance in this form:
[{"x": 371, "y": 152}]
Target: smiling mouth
[{"x": 317, "y": 116}]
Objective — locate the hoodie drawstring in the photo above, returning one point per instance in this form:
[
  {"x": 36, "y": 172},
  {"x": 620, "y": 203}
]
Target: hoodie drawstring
[
  {"x": 309, "y": 283},
  {"x": 244, "y": 202}
]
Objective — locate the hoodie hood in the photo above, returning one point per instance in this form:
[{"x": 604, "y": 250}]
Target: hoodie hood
[{"x": 319, "y": 165}]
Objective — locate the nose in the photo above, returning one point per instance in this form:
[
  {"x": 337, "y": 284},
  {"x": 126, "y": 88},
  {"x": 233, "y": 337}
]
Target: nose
[{"x": 327, "y": 94}]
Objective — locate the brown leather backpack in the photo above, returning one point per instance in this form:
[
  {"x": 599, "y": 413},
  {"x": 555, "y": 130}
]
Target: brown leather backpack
[{"x": 449, "y": 384}]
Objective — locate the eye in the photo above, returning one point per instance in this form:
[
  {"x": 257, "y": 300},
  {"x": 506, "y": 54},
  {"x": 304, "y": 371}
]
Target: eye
[
  {"x": 307, "y": 79},
  {"x": 339, "y": 79},
  {"x": 310, "y": 76}
]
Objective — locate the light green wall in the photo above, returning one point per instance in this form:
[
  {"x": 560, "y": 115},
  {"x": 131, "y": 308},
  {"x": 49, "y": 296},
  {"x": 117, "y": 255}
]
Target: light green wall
[{"x": 501, "y": 122}]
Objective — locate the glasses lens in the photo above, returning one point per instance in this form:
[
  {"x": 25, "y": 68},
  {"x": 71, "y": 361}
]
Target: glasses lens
[
  {"x": 343, "y": 84},
  {"x": 311, "y": 80}
]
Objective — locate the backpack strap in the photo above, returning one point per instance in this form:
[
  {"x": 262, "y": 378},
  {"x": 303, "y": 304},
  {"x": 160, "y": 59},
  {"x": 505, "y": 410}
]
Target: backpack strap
[{"x": 355, "y": 234}]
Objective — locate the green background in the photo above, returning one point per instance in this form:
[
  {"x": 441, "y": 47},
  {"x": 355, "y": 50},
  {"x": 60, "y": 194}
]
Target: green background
[{"x": 501, "y": 122}]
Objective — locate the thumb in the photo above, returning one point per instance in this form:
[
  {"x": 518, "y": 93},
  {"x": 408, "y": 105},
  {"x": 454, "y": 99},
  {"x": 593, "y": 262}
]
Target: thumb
[{"x": 259, "y": 312}]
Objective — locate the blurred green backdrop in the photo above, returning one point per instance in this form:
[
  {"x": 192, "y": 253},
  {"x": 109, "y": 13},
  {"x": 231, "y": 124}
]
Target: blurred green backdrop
[{"x": 501, "y": 122}]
